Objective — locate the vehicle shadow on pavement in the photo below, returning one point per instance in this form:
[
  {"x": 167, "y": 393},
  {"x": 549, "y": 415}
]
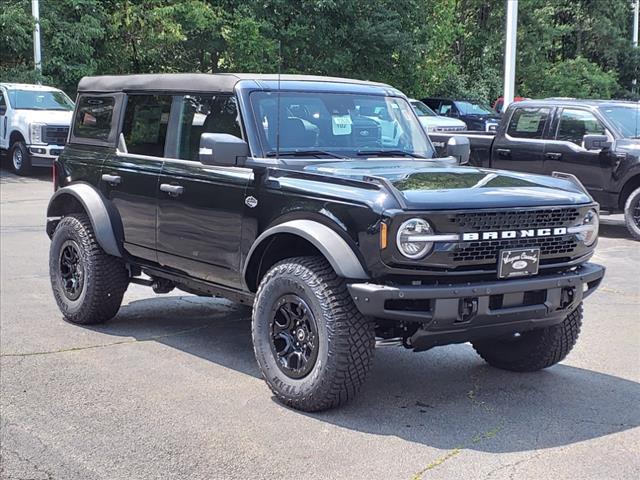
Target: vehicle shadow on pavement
[
  {"x": 39, "y": 174},
  {"x": 614, "y": 229},
  {"x": 445, "y": 398}
]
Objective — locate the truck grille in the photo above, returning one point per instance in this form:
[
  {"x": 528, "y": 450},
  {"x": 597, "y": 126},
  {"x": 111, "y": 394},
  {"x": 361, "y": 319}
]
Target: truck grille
[
  {"x": 516, "y": 219},
  {"x": 487, "y": 251},
  {"x": 55, "y": 135}
]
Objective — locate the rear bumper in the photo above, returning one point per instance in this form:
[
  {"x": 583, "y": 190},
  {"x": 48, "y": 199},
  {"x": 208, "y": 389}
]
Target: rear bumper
[{"x": 479, "y": 309}]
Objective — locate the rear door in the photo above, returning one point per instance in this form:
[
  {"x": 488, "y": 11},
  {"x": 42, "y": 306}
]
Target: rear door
[
  {"x": 130, "y": 176},
  {"x": 566, "y": 152},
  {"x": 200, "y": 207},
  {"x": 521, "y": 146}
]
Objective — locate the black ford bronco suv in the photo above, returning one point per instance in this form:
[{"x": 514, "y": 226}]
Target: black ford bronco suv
[{"x": 318, "y": 201}]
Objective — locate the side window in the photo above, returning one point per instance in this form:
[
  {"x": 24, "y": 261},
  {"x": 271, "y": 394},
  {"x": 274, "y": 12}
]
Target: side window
[
  {"x": 3, "y": 104},
  {"x": 528, "y": 122},
  {"x": 575, "y": 124},
  {"x": 446, "y": 108},
  {"x": 93, "y": 118},
  {"x": 205, "y": 114},
  {"x": 145, "y": 124}
]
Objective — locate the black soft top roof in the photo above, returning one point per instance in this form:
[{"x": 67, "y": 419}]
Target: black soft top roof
[{"x": 181, "y": 82}]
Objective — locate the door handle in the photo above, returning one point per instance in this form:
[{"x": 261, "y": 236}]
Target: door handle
[
  {"x": 112, "y": 179},
  {"x": 173, "y": 190},
  {"x": 553, "y": 155},
  {"x": 503, "y": 152}
]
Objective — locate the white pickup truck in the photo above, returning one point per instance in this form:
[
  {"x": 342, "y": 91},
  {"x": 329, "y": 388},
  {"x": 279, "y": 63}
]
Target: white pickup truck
[{"x": 34, "y": 124}]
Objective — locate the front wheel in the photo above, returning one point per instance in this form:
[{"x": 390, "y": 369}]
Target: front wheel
[
  {"x": 20, "y": 159},
  {"x": 632, "y": 213},
  {"x": 313, "y": 346},
  {"x": 532, "y": 350}
]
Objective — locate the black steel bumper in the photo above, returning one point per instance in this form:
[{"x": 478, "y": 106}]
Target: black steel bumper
[{"x": 474, "y": 308}]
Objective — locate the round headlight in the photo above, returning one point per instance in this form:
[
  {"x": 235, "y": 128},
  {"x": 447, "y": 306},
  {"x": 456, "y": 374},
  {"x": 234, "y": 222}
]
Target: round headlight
[
  {"x": 410, "y": 239},
  {"x": 590, "y": 234}
]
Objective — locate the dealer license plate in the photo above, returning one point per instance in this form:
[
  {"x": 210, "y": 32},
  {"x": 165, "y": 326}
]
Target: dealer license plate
[{"x": 520, "y": 262}]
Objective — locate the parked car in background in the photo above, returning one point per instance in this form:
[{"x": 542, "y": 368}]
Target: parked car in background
[
  {"x": 498, "y": 106},
  {"x": 475, "y": 115},
  {"x": 434, "y": 122},
  {"x": 596, "y": 141},
  {"x": 34, "y": 124}
]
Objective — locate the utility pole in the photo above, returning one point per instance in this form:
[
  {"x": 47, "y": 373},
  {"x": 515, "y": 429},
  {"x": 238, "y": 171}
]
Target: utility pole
[
  {"x": 510, "y": 52},
  {"x": 636, "y": 9},
  {"x": 37, "y": 59}
]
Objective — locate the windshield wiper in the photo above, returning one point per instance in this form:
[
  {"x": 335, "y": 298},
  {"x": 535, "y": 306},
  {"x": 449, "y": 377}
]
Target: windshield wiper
[
  {"x": 303, "y": 153},
  {"x": 390, "y": 153}
]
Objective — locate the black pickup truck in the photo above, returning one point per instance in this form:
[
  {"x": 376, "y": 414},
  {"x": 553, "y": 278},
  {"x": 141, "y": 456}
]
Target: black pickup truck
[{"x": 596, "y": 141}]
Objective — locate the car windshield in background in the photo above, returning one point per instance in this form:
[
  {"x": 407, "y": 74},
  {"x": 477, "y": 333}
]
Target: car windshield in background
[
  {"x": 40, "y": 100},
  {"x": 468, "y": 108},
  {"x": 422, "y": 110},
  {"x": 338, "y": 125},
  {"x": 625, "y": 117}
]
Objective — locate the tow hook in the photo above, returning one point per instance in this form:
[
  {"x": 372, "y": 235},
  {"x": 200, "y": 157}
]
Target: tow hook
[{"x": 467, "y": 309}]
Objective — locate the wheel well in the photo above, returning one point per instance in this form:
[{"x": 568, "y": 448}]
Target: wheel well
[
  {"x": 630, "y": 186},
  {"x": 271, "y": 251},
  {"x": 64, "y": 205},
  {"x": 15, "y": 137}
]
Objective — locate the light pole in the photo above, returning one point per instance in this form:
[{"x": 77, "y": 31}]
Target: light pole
[
  {"x": 35, "y": 11},
  {"x": 636, "y": 9},
  {"x": 510, "y": 52}
]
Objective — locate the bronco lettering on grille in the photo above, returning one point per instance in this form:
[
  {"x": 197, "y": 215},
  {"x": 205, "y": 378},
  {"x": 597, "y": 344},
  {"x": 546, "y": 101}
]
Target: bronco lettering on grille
[{"x": 527, "y": 233}]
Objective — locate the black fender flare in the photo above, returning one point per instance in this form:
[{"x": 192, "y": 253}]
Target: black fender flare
[
  {"x": 334, "y": 248},
  {"x": 97, "y": 210}
]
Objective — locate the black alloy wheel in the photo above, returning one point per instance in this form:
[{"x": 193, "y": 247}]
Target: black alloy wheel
[
  {"x": 71, "y": 270},
  {"x": 294, "y": 336}
]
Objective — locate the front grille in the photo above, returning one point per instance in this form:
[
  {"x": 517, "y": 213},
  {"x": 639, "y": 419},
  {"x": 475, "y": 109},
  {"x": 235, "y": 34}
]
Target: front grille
[
  {"x": 55, "y": 135},
  {"x": 516, "y": 219},
  {"x": 487, "y": 251},
  {"x": 450, "y": 129}
]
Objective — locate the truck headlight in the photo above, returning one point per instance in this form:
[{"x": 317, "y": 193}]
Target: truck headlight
[
  {"x": 588, "y": 231},
  {"x": 411, "y": 239},
  {"x": 36, "y": 133}
]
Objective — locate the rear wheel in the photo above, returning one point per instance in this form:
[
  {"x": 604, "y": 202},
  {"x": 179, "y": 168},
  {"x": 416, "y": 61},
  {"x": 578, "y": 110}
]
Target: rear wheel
[
  {"x": 88, "y": 284},
  {"x": 632, "y": 213},
  {"x": 20, "y": 159},
  {"x": 532, "y": 350},
  {"x": 313, "y": 346}
]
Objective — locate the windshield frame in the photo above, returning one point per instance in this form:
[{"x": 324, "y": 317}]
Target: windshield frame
[
  {"x": 616, "y": 126},
  {"x": 11, "y": 94},
  {"x": 352, "y": 155}
]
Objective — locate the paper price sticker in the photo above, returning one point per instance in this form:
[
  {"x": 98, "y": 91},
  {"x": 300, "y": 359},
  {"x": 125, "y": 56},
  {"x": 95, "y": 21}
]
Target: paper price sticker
[{"x": 341, "y": 124}]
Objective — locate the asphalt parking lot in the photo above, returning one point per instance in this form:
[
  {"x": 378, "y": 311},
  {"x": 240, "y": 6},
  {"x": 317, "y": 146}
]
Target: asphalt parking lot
[{"x": 170, "y": 390}]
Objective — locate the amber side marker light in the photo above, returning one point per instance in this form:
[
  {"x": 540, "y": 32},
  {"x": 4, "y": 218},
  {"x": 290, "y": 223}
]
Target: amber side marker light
[{"x": 383, "y": 235}]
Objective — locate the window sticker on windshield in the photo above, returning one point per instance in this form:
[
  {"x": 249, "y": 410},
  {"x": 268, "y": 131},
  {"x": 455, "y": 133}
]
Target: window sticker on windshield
[
  {"x": 528, "y": 122},
  {"x": 341, "y": 124}
]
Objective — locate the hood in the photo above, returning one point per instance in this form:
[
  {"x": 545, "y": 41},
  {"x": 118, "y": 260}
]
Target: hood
[
  {"x": 50, "y": 117},
  {"x": 435, "y": 185},
  {"x": 441, "y": 122}
]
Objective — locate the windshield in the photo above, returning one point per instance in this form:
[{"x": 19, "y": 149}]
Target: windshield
[
  {"x": 625, "y": 117},
  {"x": 40, "y": 100},
  {"x": 468, "y": 108},
  {"x": 338, "y": 125},
  {"x": 422, "y": 110}
]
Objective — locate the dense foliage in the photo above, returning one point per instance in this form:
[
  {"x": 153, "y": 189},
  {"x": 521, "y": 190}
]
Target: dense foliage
[{"x": 578, "y": 48}]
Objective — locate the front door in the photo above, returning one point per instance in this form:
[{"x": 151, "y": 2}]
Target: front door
[
  {"x": 566, "y": 153},
  {"x": 200, "y": 207},
  {"x": 521, "y": 148},
  {"x": 130, "y": 176}
]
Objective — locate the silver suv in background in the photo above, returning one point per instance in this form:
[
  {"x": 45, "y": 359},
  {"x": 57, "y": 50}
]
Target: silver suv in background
[
  {"x": 433, "y": 122},
  {"x": 34, "y": 124}
]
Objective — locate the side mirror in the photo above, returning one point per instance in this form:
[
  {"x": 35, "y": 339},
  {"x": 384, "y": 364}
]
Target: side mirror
[
  {"x": 223, "y": 149},
  {"x": 596, "y": 142},
  {"x": 459, "y": 148}
]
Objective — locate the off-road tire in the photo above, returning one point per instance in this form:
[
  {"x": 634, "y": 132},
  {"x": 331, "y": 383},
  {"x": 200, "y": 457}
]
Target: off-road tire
[
  {"x": 105, "y": 277},
  {"x": 24, "y": 167},
  {"x": 346, "y": 339},
  {"x": 630, "y": 209},
  {"x": 535, "y": 349}
]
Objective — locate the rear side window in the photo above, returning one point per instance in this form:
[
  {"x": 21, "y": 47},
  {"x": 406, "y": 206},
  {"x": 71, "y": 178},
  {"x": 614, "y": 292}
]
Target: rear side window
[
  {"x": 528, "y": 122},
  {"x": 145, "y": 124},
  {"x": 93, "y": 118}
]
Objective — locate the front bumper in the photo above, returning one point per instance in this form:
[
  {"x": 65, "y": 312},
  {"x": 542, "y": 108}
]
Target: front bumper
[
  {"x": 470, "y": 310},
  {"x": 44, "y": 155}
]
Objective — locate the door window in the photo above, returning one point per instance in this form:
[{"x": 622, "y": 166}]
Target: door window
[
  {"x": 93, "y": 118},
  {"x": 3, "y": 104},
  {"x": 204, "y": 114},
  {"x": 575, "y": 124},
  {"x": 446, "y": 108},
  {"x": 528, "y": 122},
  {"x": 145, "y": 124}
]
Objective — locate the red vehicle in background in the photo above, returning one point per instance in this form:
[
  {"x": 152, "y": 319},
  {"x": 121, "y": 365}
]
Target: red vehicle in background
[{"x": 498, "y": 106}]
